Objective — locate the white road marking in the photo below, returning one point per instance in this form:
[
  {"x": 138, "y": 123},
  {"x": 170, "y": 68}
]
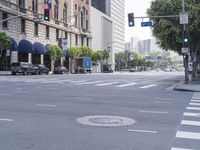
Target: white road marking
[
  {"x": 103, "y": 84},
  {"x": 78, "y": 81},
  {"x": 125, "y": 85},
  {"x": 195, "y": 101},
  {"x": 191, "y": 114},
  {"x": 192, "y": 123},
  {"x": 46, "y": 105},
  {"x": 192, "y": 108},
  {"x": 161, "y": 102},
  {"x": 166, "y": 99},
  {"x": 147, "y": 86},
  {"x": 154, "y": 112},
  {"x": 143, "y": 131},
  {"x": 9, "y": 120},
  {"x": 195, "y": 104},
  {"x": 93, "y": 82},
  {"x": 188, "y": 135},
  {"x": 174, "y": 148},
  {"x": 5, "y": 94}
]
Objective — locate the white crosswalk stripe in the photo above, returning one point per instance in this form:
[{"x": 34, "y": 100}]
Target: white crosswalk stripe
[
  {"x": 192, "y": 108},
  {"x": 188, "y": 135},
  {"x": 175, "y": 148},
  {"x": 103, "y": 84},
  {"x": 147, "y": 86},
  {"x": 125, "y": 85},
  {"x": 191, "y": 123}
]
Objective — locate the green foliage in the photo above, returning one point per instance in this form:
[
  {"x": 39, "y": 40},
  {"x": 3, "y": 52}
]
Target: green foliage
[
  {"x": 168, "y": 31},
  {"x": 54, "y": 51},
  {"x": 86, "y": 51},
  {"x": 4, "y": 41},
  {"x": 149, "y": 64},
  {"x": 74, "y": 52}
]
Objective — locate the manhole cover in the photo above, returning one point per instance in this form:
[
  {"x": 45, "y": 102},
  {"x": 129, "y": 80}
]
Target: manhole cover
[{"x": 105, "y": 121}]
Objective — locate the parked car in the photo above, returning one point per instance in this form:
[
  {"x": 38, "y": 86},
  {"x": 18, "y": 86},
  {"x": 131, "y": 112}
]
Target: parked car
[
  {"x": 60, "y": 70},
  {"x": 24, "y": 68},
  {"x": 132, "y": 70},
  {"x": 42, "y": 69}
]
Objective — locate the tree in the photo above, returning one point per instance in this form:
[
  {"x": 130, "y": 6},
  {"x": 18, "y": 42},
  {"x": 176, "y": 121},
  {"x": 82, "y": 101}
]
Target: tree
[
  {"x": 86, "y": 51},
  {"x": 55, "y": 52},
  {"x": 168, "y": 31},
  {"x": 4, "y": 42},
  {"x": 73, "y": 52}
]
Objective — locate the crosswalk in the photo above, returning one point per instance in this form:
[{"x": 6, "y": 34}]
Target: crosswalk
[
  {"x": 188, "y": 136},
  {"x": 98, "y": 83}
]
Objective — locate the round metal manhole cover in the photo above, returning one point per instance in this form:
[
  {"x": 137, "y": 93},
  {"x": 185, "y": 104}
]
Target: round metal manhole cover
[{"x": 106, "y": 121}]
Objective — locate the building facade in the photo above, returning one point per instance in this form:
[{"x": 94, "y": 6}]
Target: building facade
[{"x": 69, "y": 21}]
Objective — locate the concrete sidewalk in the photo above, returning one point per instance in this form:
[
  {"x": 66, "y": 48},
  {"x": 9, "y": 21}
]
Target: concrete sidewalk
[
  {"x": 193, "y": 86},
  {"x": 4, "y": 73}
]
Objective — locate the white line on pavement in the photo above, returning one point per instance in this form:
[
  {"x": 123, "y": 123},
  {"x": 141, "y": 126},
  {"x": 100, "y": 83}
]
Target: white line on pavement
[
  {"x": 4, "y": 94},
  {"x": 78, "y": 81},
  {"x": 147, "y": 86},
  {"x": 9, "y": 120},
  {"x": 195, "y": 97},
  {"x": 188, "y": 135},
  {"x": 191, "y": 114},
  {"x": 143, "y": 131},
  {"x": 195, "y": 100},
  {"x": 174, "y": 148},
  {"x": 195, "y": 104},
  {"x": 167, "y": 99},
  {"x": 93, "y": 82},
  {"x": 192, "y": 108},
  {"x": 192, "y": 123},
  {"x": 125, "y": 85},
  {"x": 46, "y": 105},
  {"x": 103, "y": 84},
  {"x": 153, "y": 112}
]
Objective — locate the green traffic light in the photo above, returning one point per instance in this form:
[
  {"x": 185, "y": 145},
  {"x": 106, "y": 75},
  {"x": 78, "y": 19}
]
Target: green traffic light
[{"x": 185, "y": 40}]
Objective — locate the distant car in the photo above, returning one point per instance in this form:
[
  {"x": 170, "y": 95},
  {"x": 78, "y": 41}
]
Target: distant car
[
  {"x": 24, "y": 68},
  {"x": 42, "y": 69},
  {"x": 60, "y": 70},
  {"x": 132, "y": 70}
]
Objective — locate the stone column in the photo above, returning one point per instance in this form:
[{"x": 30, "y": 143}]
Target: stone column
[
  {"x": 29, "y": 57},
  {"x": 42, "y": 59}
]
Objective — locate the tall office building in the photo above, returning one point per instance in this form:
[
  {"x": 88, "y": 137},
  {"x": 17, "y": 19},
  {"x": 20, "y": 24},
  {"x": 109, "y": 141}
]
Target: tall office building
[{"x": 116, "y": 10}]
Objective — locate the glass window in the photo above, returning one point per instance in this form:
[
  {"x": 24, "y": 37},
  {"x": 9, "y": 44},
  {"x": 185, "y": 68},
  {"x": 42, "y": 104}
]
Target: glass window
[
  {"x": 87, "y": 41},
  {"x": 22, "y": 3},
  {"x": 57, "y": 34},
  {"x": 66, "y": 35},
  {"x": 65, "y": 13},
  {"x": 56, "y": 10},
  {"x": 23, "y": 25},
  {"x": 87, "y": 24},
  {"x": 76, "y": 21},
  {"x": 36, "y": 29},
  {"x": 35, "y": 6},
  {"x": 82, "y": 40},
  {"x": 76, "y": 39},
  {"x": 5, "y": 23},
  {"x": 47, "y": 32}
]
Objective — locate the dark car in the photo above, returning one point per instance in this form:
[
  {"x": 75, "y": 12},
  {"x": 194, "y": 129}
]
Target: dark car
[
  {"x": 24, "y": 68},
  {"x": 60, "y": 70},
  {"x": 42, "y": 69}
]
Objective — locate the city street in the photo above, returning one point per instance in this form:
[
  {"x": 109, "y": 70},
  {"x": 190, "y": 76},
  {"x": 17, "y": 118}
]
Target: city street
[{"x": 123, "y": 111}]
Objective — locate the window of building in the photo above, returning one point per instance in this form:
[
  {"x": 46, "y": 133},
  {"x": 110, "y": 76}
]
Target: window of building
[
  {"x": 86, "y": 24},
  {"x": 65, "y": 13},
  {"x": 76, "y": 21},
  {"x": 23, "y": 25},
  {"x": 76, "y": 6},
  {"x": 66, "y": 35},
  {"x": 82, "y": 40},
  {"x": 5, "y": 23},
  {"x": 76, "y": 39},
  {"x": 57, "y": 34},
  {"x": 81, "y": 19},
  {"x": 87, "y": 41},
  {"x": 47, "y": 32},
  {"x": 36, "y": 29},
  {"x": 86, "y": 12},
  {"x": 35, "y": 6},
  {"x": 56, "y": 10},
  {"x": 22, "y": 3}
]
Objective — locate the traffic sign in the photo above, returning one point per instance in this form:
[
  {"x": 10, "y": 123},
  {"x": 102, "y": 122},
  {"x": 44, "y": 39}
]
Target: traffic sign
[
  {"x": 146, "y": 24},
  {"x": 183, "y": 18},
  {"x": 185, "y": 50}
]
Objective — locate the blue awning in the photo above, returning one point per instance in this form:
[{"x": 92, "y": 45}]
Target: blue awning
[
  {"x": 13, "y": 45},
  {"x": 25, "y": 46},
  {"x": 39, "y": 48}
]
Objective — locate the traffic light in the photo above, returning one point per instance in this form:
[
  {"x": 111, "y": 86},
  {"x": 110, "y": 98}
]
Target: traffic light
[
  {"x": 186, "y": 40},
  {"x": 46, "y": 15},
  {"x": 131, "y": 22}
]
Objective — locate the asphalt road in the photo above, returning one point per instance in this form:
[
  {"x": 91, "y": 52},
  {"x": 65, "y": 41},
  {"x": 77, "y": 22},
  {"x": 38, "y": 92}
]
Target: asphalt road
[{"x": 42, "y": 112}]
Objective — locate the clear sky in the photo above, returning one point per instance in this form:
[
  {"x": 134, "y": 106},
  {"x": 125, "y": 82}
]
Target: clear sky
[{"x": 138, "y": 7}]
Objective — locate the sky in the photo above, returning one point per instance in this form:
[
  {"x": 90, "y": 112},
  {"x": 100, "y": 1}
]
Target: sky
[{"x": 138, "y": 7}]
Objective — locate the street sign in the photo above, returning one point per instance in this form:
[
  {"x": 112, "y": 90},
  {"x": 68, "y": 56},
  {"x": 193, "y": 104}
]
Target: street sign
[
  {"x": 146, "y": 24},
  {"x": 183, "y": 18},
  {"x": 185, "y": 50}
]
